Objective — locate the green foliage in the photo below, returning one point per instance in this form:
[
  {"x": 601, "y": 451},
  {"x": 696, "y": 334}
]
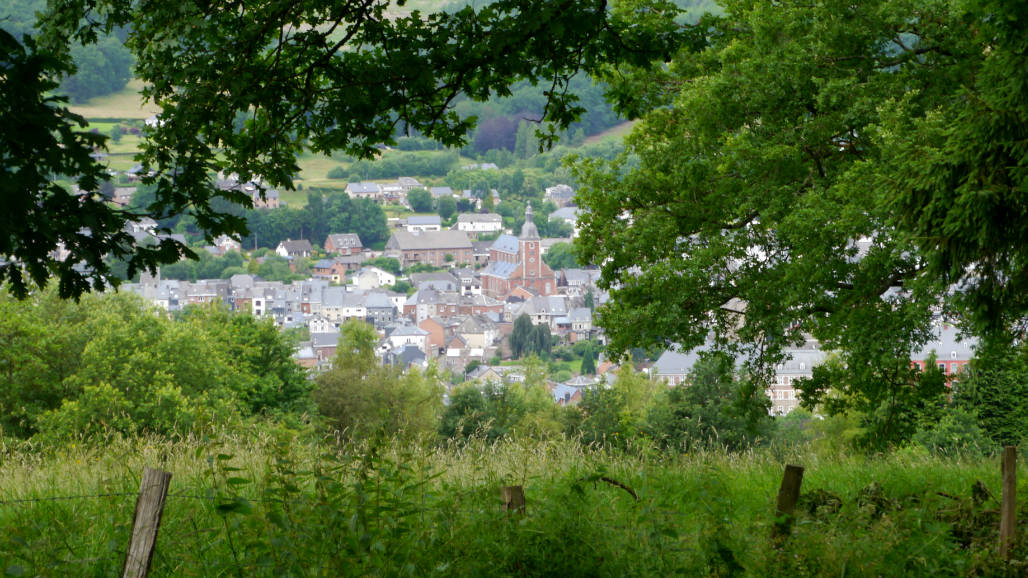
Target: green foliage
[
  {"x": 892, "y": 398},
  {"x": 995, "y": 391},
  {"x": 325, "y": 214},
  {"x": 716, "y": 408},
  {"x": 588, "y": 360},
  {"x": 101, "y": 68},
  {"x": 39, "y": 139},
  {"x": 361, "y": 397},
  {"x": 405, "y": 164},
  {"x": 420, "y": 200},
  {"x": 446, "y": 207},
  {"x": 561, "y": 256},
  {"x": 110, "y": 364},
  {"x": 616, "y": 414},
  {"x": 819, "y": 169},
  {"x": 267, "y": 502},
  {"x": 390, "y": 264},
  {"x": 526, "y": 339},
  {"x": 488, "y": 411}
]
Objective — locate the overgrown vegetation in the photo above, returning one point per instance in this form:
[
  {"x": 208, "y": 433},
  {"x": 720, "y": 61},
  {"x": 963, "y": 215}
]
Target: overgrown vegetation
[{"x": 267, "y": 502}]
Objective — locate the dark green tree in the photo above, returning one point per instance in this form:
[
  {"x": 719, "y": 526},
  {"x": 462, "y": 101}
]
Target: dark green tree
[
  {"x": 561, "y": 256},
  {"x": 446, "y": 207},
  {"x": 715, "y": 408},
  {"x": 820, "y": 169},
  {"x": 420, "y": 200},
  {"x": 588, "y": 361},
  {"x": 360, "y": 396},
  {"x": 520, "y": 336}
]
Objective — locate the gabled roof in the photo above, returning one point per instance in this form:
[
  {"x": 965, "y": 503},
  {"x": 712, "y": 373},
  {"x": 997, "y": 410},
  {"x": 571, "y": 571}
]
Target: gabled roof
[
  {"x": 580, "y": 315},
  {"x": 330, "y": 339},
  {"x": 404, "y": 330},
  {"x": 424, "y": 220},
  {"x": 566, "y": 213},
  {"x": 405, "y": 240},
  {"x": 363, "y": 188},
  {"x": 333, "y": 297},
  {"x": 346, "y": 240},
  {"x": 552, "y": 305},
  {"x": 479, "y": 218},
  {"x": 947, "y": 341},
  {"x": 376, "y": 300},
  {"x": 506, "y": 244},
  {"x": 501, "y": 269},
  {"x": 441, "y": 191},
  {"x": 292, "y": 247},
  {"x": 675, "y": 363}
]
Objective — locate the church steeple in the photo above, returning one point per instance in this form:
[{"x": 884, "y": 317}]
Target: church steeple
[{"x": 529, "y": 230}]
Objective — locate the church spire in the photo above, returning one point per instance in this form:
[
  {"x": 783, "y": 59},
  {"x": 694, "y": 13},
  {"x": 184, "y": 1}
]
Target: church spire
[{"x": 528, "y": 230}]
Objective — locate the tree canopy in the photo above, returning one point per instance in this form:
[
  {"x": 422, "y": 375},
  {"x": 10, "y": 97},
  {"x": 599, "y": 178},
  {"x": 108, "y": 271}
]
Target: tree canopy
[
  {"x": 329, "y": 76},
  {"x": 847, "y": 171}
]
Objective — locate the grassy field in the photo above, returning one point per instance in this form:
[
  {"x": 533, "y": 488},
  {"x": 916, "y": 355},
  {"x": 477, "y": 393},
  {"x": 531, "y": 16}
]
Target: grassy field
[
  {"x": 270, "y": 505},
  {"x": 127, "y": 104},
  {"x": 617, "y": 132}
]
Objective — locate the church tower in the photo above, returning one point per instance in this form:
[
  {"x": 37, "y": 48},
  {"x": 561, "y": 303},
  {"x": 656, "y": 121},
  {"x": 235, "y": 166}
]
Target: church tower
[{"x": 529, "y": 245}]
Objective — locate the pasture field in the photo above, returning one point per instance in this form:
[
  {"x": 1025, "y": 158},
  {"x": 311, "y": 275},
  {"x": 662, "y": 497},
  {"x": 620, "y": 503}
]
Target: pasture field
[{"x": 273, "y": 504}]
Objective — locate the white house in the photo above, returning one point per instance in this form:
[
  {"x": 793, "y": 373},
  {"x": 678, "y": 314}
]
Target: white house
[
  {"x": 372, "y": 278},
  {"x": 479, "y": 222}
]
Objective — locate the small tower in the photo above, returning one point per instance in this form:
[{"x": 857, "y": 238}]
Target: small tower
[{"x": 529, "y": 245}]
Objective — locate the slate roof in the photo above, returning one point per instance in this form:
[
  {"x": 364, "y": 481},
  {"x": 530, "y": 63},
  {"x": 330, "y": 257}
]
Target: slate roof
[
  {"x": 675, "y": 363},
  {"x": 377, "y": 300},
  {"x": 948, "y": 342},
  {"x": 296, "y": 247},
  {"x": 441, "y": 191},
  {"x": 341, "y": 240},
  {"x": 567, "y": 213},
  {"x": 500, "y": 269},
  {"x": 405, "y": 240},
  {"x": 479, "y": 218},
  {"x": 325, "y": 339},
  {"x": 424, "y": 220},
  {"x": 506, "y": 244},
  {"x": 333, "y": 297},
  {"x": 363, "y": 188},
  {"x": 408, "y": 330}
]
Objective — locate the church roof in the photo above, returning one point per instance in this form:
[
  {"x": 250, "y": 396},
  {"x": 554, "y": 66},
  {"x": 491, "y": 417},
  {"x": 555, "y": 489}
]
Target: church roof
[{"x": 529, "y": 230}]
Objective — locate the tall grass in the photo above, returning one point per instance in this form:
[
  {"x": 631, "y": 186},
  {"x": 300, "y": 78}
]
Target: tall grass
[{"x": 274, "y": 504}]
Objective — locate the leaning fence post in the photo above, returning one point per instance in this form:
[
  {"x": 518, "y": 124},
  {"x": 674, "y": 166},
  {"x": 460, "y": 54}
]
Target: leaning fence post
[
  {"x": 788, "y": 495},
  {"x": 149, "y": 507},
  {"x": 514, "y": 498},
  {"x": 1008, "y": 509}
]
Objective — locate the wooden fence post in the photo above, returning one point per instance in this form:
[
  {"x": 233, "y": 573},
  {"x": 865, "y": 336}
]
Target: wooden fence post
[
  {"x": 149, "y": 508},
  {"x": 788, "y": 495},
  {"x": 1008, "y": 509},
  {"x": 514, "y": 498}
]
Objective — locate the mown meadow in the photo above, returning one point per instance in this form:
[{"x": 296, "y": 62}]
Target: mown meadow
[{"x": 270, "y": 502}]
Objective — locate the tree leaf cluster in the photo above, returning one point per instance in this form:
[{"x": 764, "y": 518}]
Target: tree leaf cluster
[
  {"x": 113, "y": 365},
  {"x": 848, "y": 172}
]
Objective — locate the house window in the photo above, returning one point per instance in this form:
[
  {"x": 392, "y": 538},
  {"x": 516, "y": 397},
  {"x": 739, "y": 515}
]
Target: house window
[
  {"x": 952, "y": 354},
  {"x": 942, "y": 367}
]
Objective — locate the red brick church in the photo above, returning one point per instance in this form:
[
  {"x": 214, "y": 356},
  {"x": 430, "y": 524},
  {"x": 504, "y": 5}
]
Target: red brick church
[{"x": 517, "y": 262}]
